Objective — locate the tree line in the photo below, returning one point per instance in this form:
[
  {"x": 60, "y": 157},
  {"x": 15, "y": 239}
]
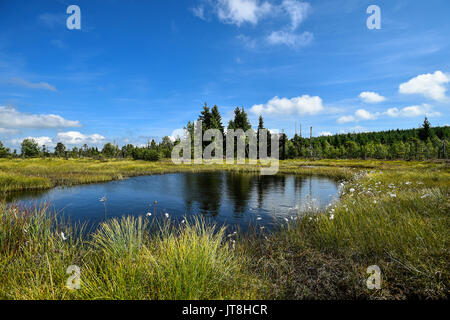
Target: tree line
[
  {"x": 421, "y": 143},
  {"x": 31, "y": 149}
]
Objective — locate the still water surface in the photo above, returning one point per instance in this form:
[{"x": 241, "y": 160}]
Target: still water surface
[{"x": 233, "y": 199}]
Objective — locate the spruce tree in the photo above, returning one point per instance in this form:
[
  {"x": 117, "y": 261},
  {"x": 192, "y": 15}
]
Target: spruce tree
[
  {"x": 4, "y": 152},
  {"x": 216, "y": 119},
  {"x": 425, "y": 131},
  {"x": 206, "y": 118}
]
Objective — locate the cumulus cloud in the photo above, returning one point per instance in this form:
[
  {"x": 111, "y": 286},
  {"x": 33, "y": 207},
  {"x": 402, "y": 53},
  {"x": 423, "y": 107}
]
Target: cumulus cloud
[
  {"x": 325, "y": 134},
  {"x": 31, "y": 85},
  {"x": 429, "y": 85},
  {"x": 178, "y": 134},
  {"x": 69, "y": 138},
  {"x": 241, "y": 11},
  {"x": 412, "y": 111},
  {"x": 285, "y": 106},
  {"x": 12, "y": 118},
  {"x": 371, "y": 97},
  {"x": 42, "y": 141},
  {"x": 365, "y": 115},
  {"x": 75, "y": 137},
  {"x": 359, "y": 115},
  {"x": 290, "y": 39},
  {"x": 407, "y": 112},
  {"x": 346, "y": 119}
]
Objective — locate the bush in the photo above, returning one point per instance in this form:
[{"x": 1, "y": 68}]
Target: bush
[{"x": 146, "y": 154}]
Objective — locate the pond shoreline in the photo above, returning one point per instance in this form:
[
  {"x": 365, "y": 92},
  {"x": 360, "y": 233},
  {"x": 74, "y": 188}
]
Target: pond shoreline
[
  {"x": 41, "y": 174},
  {"x": 233, "y": 199},
  {"x": 383, "y": 208}
]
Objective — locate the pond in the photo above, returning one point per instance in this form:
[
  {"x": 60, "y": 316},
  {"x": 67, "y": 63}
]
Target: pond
[{"x": 227, "y": 198}]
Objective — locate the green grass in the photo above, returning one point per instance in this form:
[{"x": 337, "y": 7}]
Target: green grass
[
  {"x": 33, "y": 174},
  {"x": 397, "y": 219},
  {"x": 392, "y": 214},
  {"x": 120, "y": 260}
]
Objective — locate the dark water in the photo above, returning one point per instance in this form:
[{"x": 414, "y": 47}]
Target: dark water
[{"x": 234, "y": 199}]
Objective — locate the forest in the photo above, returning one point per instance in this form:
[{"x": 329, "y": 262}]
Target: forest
[{"x": 422, "y": 143}]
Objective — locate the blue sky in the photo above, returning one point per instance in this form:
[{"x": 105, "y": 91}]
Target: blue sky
[{"x": 141, "y": 69}]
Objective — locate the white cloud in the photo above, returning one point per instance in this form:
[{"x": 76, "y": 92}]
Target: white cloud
[
  {"x": 241, "y": 11},
  {"x": 75, "y": 137},
  {"x": 178, "y": 134},
  {"x": 407, "y": 112},
  {"x": 285, "y": 106},
  {"x": 365, "y": 115},
  {"x": 11, "y": 118},
  {"x": 298, "y": 11},
  {"x": 371, "y": 97},
  {"x": 359, "y": 115},
  {"x": 4, "y": 131},
  {"x": 325, "y": 134},
  {"x": 412, "y": 111},
  {"x": 346, "y": 119},
  {"x": 429, "y": 85},
  {"x": 28, "y": 84},
  {"x": 47, "y": 141},
  {"x": 290, "y": 39}
]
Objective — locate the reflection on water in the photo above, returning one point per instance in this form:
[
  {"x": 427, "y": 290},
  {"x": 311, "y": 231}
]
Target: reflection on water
[{"x": 225, "y": 197}]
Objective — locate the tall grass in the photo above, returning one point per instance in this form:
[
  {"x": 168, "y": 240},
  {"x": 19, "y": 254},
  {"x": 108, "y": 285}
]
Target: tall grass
[
  {"x": 120, "y": 260},
  {"x": 391, "y": 214},
  {"x": 398, "y": 220}
]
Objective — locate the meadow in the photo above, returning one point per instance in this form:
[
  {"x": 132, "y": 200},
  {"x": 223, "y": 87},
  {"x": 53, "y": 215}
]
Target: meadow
[{"x": 394, "y": 214}]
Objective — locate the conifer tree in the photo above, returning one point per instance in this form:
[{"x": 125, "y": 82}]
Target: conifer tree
[
  {"x": 216, "y": 119},
  {"x": 425, "y": 131}
]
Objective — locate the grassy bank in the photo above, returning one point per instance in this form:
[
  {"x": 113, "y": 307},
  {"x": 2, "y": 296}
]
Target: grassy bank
[
  {"x": 396, "y": 219},
  {"x": 35, "y": 174},
  {"x": 391, "y": 214},
  {"x": 120, "y": 260}
]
